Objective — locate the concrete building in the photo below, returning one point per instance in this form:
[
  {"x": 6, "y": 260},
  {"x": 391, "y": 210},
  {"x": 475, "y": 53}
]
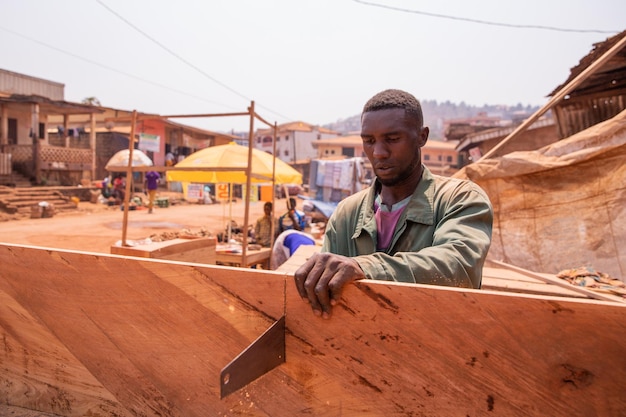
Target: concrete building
[
  {"x": 294, "y": 141},
  {"x": 45, "y": 139}
]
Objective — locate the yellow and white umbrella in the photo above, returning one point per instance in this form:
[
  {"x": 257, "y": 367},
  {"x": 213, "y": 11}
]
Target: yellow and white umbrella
[{"x": 227, "y": 164}]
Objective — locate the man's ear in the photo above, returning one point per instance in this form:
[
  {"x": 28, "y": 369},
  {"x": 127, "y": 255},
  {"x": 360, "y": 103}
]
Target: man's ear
[{"x": 423, "y": 136}]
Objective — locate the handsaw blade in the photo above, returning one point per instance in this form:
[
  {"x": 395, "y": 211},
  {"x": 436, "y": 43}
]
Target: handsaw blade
[{"x": 263, "y": 355}]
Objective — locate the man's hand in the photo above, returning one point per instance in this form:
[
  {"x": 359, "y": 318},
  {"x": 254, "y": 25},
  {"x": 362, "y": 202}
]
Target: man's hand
[{"x": 321, "y": 279}]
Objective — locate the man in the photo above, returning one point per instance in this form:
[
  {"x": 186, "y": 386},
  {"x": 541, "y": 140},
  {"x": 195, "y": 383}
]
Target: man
[
  {"x": 409, "y": 226},
  {"x": 263, "y": 227},
  {"x": 292, "y": 219},
  {"x": 151, "y": 184}
]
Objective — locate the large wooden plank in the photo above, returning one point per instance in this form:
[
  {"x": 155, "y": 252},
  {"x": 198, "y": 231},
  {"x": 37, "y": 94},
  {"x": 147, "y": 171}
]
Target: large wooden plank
[
  {"x": 398, "y": 349},
  {"x": 35, "y": 368},
  {"x": 155, "y": 335}
]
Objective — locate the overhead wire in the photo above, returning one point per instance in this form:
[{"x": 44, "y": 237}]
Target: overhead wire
[
  {"x": 241, "y": 95},
  {"x": 185, "y": 61},
  {"x": 99, "y": 64},
  {"x": 483, "y": 22}
]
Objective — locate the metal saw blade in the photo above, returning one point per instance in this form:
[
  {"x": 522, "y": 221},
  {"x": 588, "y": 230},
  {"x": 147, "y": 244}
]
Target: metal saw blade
[{"x": 263, "y": 355}]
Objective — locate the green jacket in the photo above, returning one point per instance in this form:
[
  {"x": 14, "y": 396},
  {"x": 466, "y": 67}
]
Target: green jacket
[{"x": 442, "y": 238}]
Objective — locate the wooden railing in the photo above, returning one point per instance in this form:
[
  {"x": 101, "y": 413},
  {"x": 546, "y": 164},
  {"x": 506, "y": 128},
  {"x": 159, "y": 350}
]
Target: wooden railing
[
  {"x": 19, "y": 153},
  {"x": 51, "y": 158},
  {"x": 58, "y": 155}
]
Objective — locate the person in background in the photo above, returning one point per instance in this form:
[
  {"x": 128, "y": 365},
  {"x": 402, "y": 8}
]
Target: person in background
[
  {"x": 119, "y": 187},
  {"x": 169, "y": 159},
  {"x": 263, "y": 227},
  {"x": 151, "y": 183},
  {"x": 409, "y": 225},
  {"x": 107, "y": 187},
  {"x": 292, "y": 219}
]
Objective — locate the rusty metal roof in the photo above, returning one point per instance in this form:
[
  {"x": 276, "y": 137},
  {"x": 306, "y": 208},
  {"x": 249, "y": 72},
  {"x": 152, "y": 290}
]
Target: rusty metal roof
[{"x": 609, "y": 78}]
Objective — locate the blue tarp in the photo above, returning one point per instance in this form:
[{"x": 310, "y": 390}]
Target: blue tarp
[{"x": 325, "y": 208}]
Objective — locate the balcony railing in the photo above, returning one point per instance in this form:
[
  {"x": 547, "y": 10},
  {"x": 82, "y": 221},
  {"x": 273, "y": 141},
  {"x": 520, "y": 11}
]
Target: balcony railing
[{"x": 51, "y": 158}]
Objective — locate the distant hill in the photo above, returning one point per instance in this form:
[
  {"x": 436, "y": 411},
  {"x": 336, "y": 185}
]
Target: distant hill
[{"x": 436, "y": 114}]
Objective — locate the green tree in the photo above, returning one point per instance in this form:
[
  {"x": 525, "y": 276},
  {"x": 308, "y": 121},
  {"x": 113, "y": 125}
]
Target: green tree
[{"x": 92, "y": 101}]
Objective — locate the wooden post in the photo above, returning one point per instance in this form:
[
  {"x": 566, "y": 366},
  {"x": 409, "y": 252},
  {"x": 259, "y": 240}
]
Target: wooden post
[
  {"x": 129, "y": 175},
  {"x": 559, "y": 96},
  {"x": 66, "y": 129},
  {"x": 92, "y": 144},
  {"x": 273, "y": 223},
  {"x": 35, "y": 141},
  {"x": 246, "y": 219},
  {"x": 4, "y": 126}
]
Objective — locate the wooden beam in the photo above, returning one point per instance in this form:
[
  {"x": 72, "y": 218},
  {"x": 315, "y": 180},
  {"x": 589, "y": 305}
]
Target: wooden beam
[
  {"x": 129, "y": 176},
  {"x": 561, "y": 283},
  {"x": 559, "y": 96}
]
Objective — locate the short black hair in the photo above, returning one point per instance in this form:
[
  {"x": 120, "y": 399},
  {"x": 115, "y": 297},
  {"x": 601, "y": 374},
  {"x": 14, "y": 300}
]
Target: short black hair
[{"x": 396, "y": 99}]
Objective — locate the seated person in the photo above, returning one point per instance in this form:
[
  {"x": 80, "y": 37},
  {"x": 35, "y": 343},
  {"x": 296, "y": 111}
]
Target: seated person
[
  {"x": 292, "y": 219},
  {"x": 263, "y": 227}
]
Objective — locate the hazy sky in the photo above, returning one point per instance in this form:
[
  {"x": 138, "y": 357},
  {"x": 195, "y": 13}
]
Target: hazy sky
[{"x": 316, "y": 61}]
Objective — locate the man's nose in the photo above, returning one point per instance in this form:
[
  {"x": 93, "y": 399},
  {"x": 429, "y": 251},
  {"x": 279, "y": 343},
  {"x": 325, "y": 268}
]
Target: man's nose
[{"x": 380, "y": 149}]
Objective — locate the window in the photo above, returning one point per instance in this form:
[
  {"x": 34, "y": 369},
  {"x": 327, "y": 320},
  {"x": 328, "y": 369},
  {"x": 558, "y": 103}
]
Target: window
[
  {"x": 448, "y": 158},
  {"x": 426, "y": 157},
  {"x": 42, "y": 130}
]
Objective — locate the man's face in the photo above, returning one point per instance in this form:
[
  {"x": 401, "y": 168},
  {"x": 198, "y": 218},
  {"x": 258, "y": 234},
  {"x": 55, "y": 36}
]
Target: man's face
[{"x": 392, "y": 142}]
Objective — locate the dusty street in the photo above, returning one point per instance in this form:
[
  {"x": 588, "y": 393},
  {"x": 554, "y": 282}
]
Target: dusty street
[{"x": 95, "y": 227}]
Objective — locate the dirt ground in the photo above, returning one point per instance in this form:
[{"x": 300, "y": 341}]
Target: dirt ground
[{"x": 96, "y": 227}]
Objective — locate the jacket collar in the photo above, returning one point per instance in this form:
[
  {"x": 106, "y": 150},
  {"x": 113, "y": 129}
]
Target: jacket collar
[{"x": 420, "y": 208}]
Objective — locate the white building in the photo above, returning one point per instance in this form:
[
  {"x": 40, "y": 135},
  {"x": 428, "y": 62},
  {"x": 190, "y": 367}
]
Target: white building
[{"x": 294, "y": 141}]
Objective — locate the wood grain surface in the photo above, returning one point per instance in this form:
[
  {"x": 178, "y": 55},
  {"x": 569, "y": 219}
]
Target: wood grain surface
[{"x": 106, "y": 335}]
